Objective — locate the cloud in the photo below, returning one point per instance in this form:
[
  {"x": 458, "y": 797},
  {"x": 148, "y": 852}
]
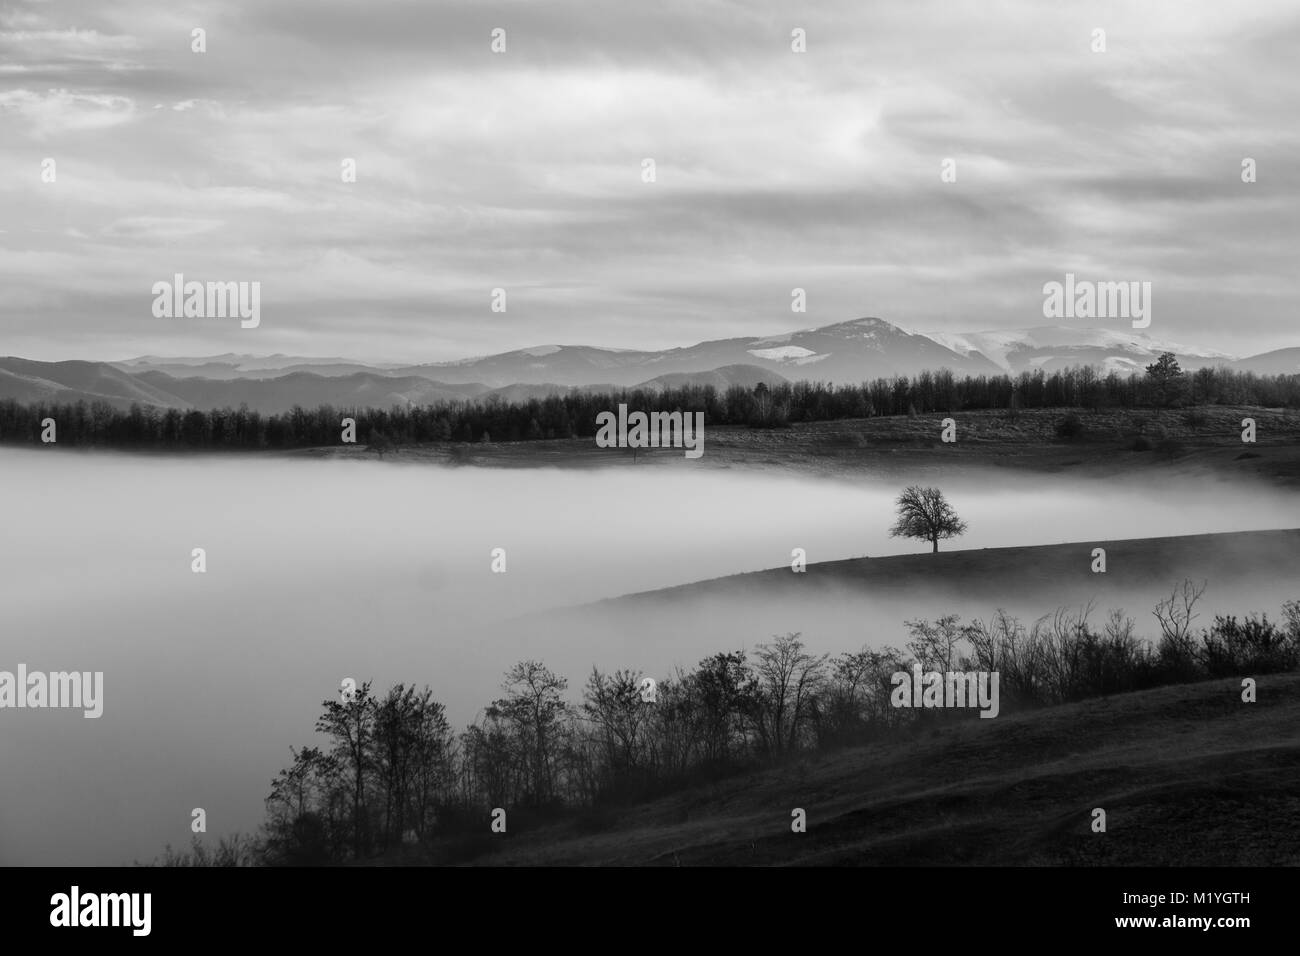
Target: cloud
[
  {"x": 59, "y": 111},
  {"x": 523, "y": 170},
  {"x": 159, "y": 228}
]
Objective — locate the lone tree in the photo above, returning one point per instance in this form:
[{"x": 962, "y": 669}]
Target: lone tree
[
  {"x": 924, "y": 513},
  {"x": 1166, "y": 378}
]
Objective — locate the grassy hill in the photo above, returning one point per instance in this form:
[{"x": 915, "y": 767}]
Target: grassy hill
[
  {"x": 846, "y": 604},
  {"x": 1058, "y": 572},
  {"x": 1188, "y": 775}
]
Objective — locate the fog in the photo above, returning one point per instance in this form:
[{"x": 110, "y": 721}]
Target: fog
[{"x": 319, "y": 570}]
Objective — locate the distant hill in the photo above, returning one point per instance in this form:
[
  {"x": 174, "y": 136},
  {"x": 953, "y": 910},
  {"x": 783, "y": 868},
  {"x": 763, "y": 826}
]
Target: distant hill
[
  {"x": 843, "y": 353},
  {"x": 1279, "y": 362},
  {"x": 26, "y": 381},
  {"x": 747, "y": 376},
  {"x": 309, "y": 390},
  {"x": 234, "y": 366}
]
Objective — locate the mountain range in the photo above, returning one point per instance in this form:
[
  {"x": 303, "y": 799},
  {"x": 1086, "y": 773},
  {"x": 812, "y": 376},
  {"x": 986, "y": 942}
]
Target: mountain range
[{"x": 846, "y": 352}]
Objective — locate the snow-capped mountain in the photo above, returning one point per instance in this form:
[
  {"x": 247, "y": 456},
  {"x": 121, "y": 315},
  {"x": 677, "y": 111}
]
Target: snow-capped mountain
[
  {"x": 1054, "y": 347},
  {"x": 850, "y": 351},
  {"x": 844, "y": 353}
]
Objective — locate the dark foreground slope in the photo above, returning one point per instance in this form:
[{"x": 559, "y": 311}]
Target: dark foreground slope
[{"x": 1187, "y": 775}]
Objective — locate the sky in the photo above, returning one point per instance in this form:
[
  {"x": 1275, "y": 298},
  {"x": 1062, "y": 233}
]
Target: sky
[{"x": 524, "y": 170}]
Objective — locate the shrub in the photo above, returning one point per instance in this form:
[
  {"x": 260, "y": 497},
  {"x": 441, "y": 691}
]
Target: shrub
[
  {"x": 1070, "y": 427},
  {"x": 1255, "y": 644},
  {"x": 1176, "y": 658},
  {"x": 234, "y": 850},
  {"x": 1291, "y": 611}
]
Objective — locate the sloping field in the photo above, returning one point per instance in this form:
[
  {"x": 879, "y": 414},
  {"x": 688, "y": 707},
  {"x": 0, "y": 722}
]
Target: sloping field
[
  {"x": 1187, "y": 775},
  {"x": 1063, "y": 572}
]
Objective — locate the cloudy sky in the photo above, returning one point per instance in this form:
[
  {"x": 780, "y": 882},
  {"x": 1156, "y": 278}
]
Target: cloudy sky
[{"x": 522, "y": 170}]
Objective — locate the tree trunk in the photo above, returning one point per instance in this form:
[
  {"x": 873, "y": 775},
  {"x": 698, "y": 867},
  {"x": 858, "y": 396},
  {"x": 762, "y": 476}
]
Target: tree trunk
[{"x": 935, "y": 542}]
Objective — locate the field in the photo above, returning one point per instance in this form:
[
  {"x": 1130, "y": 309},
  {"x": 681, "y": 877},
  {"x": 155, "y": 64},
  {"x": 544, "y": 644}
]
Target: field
[{"x": 1112, "y": 441}]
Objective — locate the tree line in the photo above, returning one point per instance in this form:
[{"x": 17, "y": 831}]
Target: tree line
[
  {"x": 388, "y": 772},
  {"x": 573, "y": 414}
]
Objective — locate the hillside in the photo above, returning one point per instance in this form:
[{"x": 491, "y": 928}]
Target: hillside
[
  {"x": 26, "y": 381},
  {"x": 1188, "y": 775},
  {"x": 1278, "y": 362},
  {"x": 1063, "y": 570},
  {"x": 276, "y": 391}
]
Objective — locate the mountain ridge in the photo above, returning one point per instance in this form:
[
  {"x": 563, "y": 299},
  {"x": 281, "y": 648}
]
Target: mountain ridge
[
  {"x": 846, "y": 352},
  {"x": 1006, "y": 350}
]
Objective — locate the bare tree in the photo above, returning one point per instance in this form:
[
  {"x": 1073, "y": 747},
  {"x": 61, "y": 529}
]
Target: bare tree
[
  {"x": 856, "y": 700},
  {"x": 935, "y": 645},
  {"x": 434, "y": 756},
  {"x": 493, "y": 764},
  {"x": 411, "y": 739},
  {"x": 676, "y": 725},
  {"x": 1003, "y": 645},
  {"x": 612, "y": 703},
  {"x": 535, "y": 708},
  {"x": 725, "y": 688},
  {"x": 988, "y": 640},
  {"x": 1177, "y": 650},
  {"x": 789, "y": 679},
  {"x": 1175, "y": 612},
  {"x": 298, "y": 831},
  {"x": 924, "y": 513},
  {"x": 1064, "y": 638},
  {"x": 351, "y": 725}
]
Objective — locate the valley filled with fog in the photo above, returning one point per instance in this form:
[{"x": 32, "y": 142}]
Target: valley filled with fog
[{"x": 319, "y": 570}]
